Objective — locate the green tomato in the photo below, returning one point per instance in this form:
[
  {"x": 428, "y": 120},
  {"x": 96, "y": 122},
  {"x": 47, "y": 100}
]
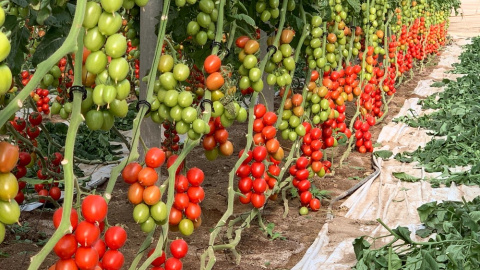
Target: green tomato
[
  {"x": 289, "y": 63},
  {"x": 164, "y": 111},
  {"x": 171, "y": 98},
  {"x": 300, "y": 130},
  {"x": 265, "y": 16},
  {"x": 123, "y": 89},
  {"x": 257, "y": 86},
  {"x": 5, "y": 46},
  {"x": 118, "y": 69},
  {"x": 185, "y": 99},
  {"x": 148, "y": 226},
  {"x": 226, "y": 122},
  {"x": 159, "y": 211},
  {"x": 55, "y": 108},
  {"x": 260, "y": 6},
  {"x": 189, "y": 115},
  {"x": 193, "y": 28},
  {"x": 94, "y": 119},
  {"x": 2, "y": 21},
  {"x": 182, "y": 127},
  {"x": 244, "y": 83},
  {"x": 2, "y": 227},
  {"x": 97, "y": 95},
  {"x": 271, "y": 79},
  {"x": 218, "y": 109},
  {"x": 166, "y": 63},
  {"x": 108, "y": 120},
  {"x": 128, "y": 4},
  {"x": 242, "y": 115},
  {"x": 111, "y": 5},
  {"x": 141, "y": 213},
  {"x": 277, "y": 57},
  {"x": 203, "y": 19},
  {"x": 255, "y": 74},
  {"x": 199, "y": 126},
  {"x": 9, "y": 212},
  {"x": 109, "y": 94},
  {"x": 250, "y": 61},
  {"x": 119, "y": 108},
  {"x": 201, "y": 38},
  {"x": 109, "y": 23},
  {"x": 206, "y": 6},
  {"x": 181, "y": 72},
  {"x": 294, "y": 121},
  {"x": 303, "y": 211},
  {"x": 55, "y": 71},
  {"x": 212, "y": 154},
  {"x": 192, "y": 135},
  {"x": 102, "y": 78},
  {"x": 63, "y": 114},
  {"x": 275, "y": 13},
  {"x": 286, "y": 50},
  {"x": 176, "y": 113},
  {"x": 8, "y": 186},
  {"x": 186, "y": 227},
  {"x": 116, "y": 45},
  {"x": 141, "y": 3},
  {"x": 283, "y": 125},
  {"x": 285, "y": 134},
  {"x": 96, "y": 62},
  {"x": 180, "y": 3},
  {"x": 5, "y": 79}
]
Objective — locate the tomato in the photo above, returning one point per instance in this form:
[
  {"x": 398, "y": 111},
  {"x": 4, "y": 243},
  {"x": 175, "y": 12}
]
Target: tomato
[
  {"x": 287, "y": 36},
  {"x": 155, "y": 157},
  {"x": 57, "y": 218},
  {"x": 241, "y": 41},
  {"x": 9, "y": 155},
  {"x": 130, "y": 172},
  {"x": 87, "y": 233},
  {"x": 116, "y": 45},
  {"x": 303, "y": 211},
  {"x": 195, "y": 176},
  {"x": 55, "y": 193},
  {"x": 166, "y": 63},
  {"x": 100, "y": 247},
  {"x": 8, "y": 186},
  {"x": 96, "y": 62},
  {"x": 86, "y": 257},
  {"x": 258, "y": 168},
  {"x": 181, "y": 201},
  {"x": 212, "y": 64},
  {"x": 193, "y": 28},
  {"x": 258, "y": 200},
  {"x": 66, "y": 247},
  {"x": 203, "y": 19},
  {"x": 159, "y": 211},
  {"x": 251, "y": 46},
  {"x": 226, "y": 148},
  {"x": 19, "y": 124},
  {"x": 43, "y": 193},
  {"x": 181, "y": 183},
  {"x": 305, "y": 197},
  {"x": 151, "y": 195},
  {"x": 5, "y": 79},
  {"x": 181, "y": 72},
  {"x": 67, "y": 264},
  {"x": 147, "y": 176},
  {"x": 112, "y": 260},
  {"x": 250, "y": 61},
  {"x": 141, "y": 213},
  {"x": 118, "y": 69},
  {"x": 33, "y": 132},
  {"x": 115, "y": 237},
  {"x": 259, "y": 185},
  {"x": 159, "y": 260},
  {"x": 214, "y": 81},
  {"x": 94, "y": 208},
  {"x": 315, "y": 204},
  {"x": 193, "y": 211},
  {"x": 178, "y": 248},
  {"x": 109, "y": 23},
  {"x": 175, "y": 216},
  {"x": 5, "y": 46},
  {"x": 302, "y": 163},
  {"x": 259, "y": 153},
  {"x": 135, "y": 193}
]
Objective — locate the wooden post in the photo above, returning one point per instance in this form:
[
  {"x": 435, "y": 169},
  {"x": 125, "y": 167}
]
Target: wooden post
[
  {"x": 268, "y": 91},
  {"x": 150, "y": 131}
]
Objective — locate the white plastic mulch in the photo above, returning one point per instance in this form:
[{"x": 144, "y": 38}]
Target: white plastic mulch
[{"x": 387, "y": 198}]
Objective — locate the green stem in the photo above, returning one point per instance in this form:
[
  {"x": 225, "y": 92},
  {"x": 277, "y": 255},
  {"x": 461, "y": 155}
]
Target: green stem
[
  {"x": 67, "y": 162},
  {"x": 70, "y": 45}
]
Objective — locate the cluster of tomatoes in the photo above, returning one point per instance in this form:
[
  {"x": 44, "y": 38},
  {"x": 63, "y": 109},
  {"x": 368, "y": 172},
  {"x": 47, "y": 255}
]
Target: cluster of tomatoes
[
  {"x": 301, "y": 181},
  {"x": 29, "y": 131},
  {"x": 40, "y": 96},
  {"x": 265, "y": 132},
  {"x": 203, "y": 28},
  {"x": 254, "y": 179},
  {"x": 251, "y": 75},
  {"x": 84, "y": 247},
  {"x": 282, "y": 61},
  {"x": 143, "y": 192},
  {"x": 216, "y": 141},
  {"x": 178, "y": 249},
  {"x": 362, "y": 135},
  {"x": 9, "y": 209},
  {"x": 186, "y": 211},
  {"x": 170, "y": 144},
  {"x": 5, "y": 48},
  {"x": 291, "y": 126},
  {"x": 50, "y": 190},
  {"x": 270, "y": 10}
]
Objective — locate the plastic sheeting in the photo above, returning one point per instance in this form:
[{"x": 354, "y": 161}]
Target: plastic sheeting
[{"x": 386, "y": 197}]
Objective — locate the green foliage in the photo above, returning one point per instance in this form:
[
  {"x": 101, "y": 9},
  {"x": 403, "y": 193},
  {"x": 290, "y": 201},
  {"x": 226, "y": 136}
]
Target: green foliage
[
  {"x": 454, "y": 228},
  {"x": 454, "y": 126}
]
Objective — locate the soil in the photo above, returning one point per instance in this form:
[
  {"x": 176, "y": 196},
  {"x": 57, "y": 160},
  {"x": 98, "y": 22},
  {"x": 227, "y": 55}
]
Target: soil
[{"x": 294, "y": 234}]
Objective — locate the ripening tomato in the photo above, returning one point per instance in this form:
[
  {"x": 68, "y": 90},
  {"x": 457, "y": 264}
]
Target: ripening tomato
[
  {"x": 212, "y": 64},
  {"x": 147, "y": 176},
  {"x": 214, "y": 81},
  {"x": 130, "y": 172},
  {"x": 155, "y": 157},
  {"x": 9, "y": 155}
]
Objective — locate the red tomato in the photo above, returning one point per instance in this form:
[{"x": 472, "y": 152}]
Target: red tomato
[
  {"x": 243, "y": 171},
  {"x": 193, "y": 211},
  {"x": 258, "y": 200},
  {"x": 66, "y": 246},
  {"x": 115, "y": 237},
  {"x": 55, "y": 193},
  {"x": 172, "y": 160},
  {"x": 112, "y": 260},
  {"x": 68, "y": 264},
  {"x": 195, "y": 176},
  {"x": 221, "y": 136},
  {"x": 315, "y": 204},
  {"x": 212, "y": 64},
  {"x": 245, "y": 184},
  {"x": 86, "y": 258},
  {"x": 100, "y": 247},
  {"x": 181, "y": 201},
  {"x": 245, "y": 199},
  {"x": 181, "y": 183},
  {"x": 57, "y": 218},
  {"x": 196, "y": 194},
  {"x": 259, "y": 153},
  {"x": 178, "y": 248},
  {"x": 173, "y": 264},
  {"x": 155, "y": 157},
  {"x": 302, "y": 163},
  {"x": 214, "y": 81},
  {"x": 259, "y": 110},
  {"x": 241, "y": 41},
  {"x": 87, "y": 233},
  {"x": 259, "y": 185},
  {"x": 269, "y": 118},
  {"x": 258, "y": 168},
  {"x": 94, "y": 208},
  {"x": 130, "y": 172},
  {"x": 159, "y": 260},
  {"x": 305, "y": 197}
]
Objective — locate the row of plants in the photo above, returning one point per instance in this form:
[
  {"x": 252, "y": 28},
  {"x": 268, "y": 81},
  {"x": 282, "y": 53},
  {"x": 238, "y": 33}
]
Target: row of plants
[
  {"x": 452, "y": 126},
  {"x": 355, "y": 53}
]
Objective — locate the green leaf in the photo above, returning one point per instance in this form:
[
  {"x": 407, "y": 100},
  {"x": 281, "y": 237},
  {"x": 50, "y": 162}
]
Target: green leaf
[
  {"x": 428, "y": 262},
  {"x": 424, "y": 233},
  {"x": 404, "y": 234},
  {"x": 22, "y": 3},
  {"x": 384, "y": 154},
  {"x": 425, "y": 210},
  {"x": 359, "y": 245},
  {"x": 53, "y": 39},
  {"x": 243, "y": 17},
  {"x": 437, "y": 84},
  {"x": 43, "y": 15},
  {"x": 18, "y": 41},
  {"x": 405, "y": 177},
  {"x": 475, "y": 215},
  {"x": 355, "y": 4}
]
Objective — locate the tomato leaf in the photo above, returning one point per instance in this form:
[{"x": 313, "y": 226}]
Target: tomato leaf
[
  {"x": 242, "y": 17},
  {"x": 405, "y": 177},
  {"x": 53, "y": 39},
  {"x": 355, "y": 4},
  {"x": 18, "y": 40},
  {"x": 384, "y": 154}
]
